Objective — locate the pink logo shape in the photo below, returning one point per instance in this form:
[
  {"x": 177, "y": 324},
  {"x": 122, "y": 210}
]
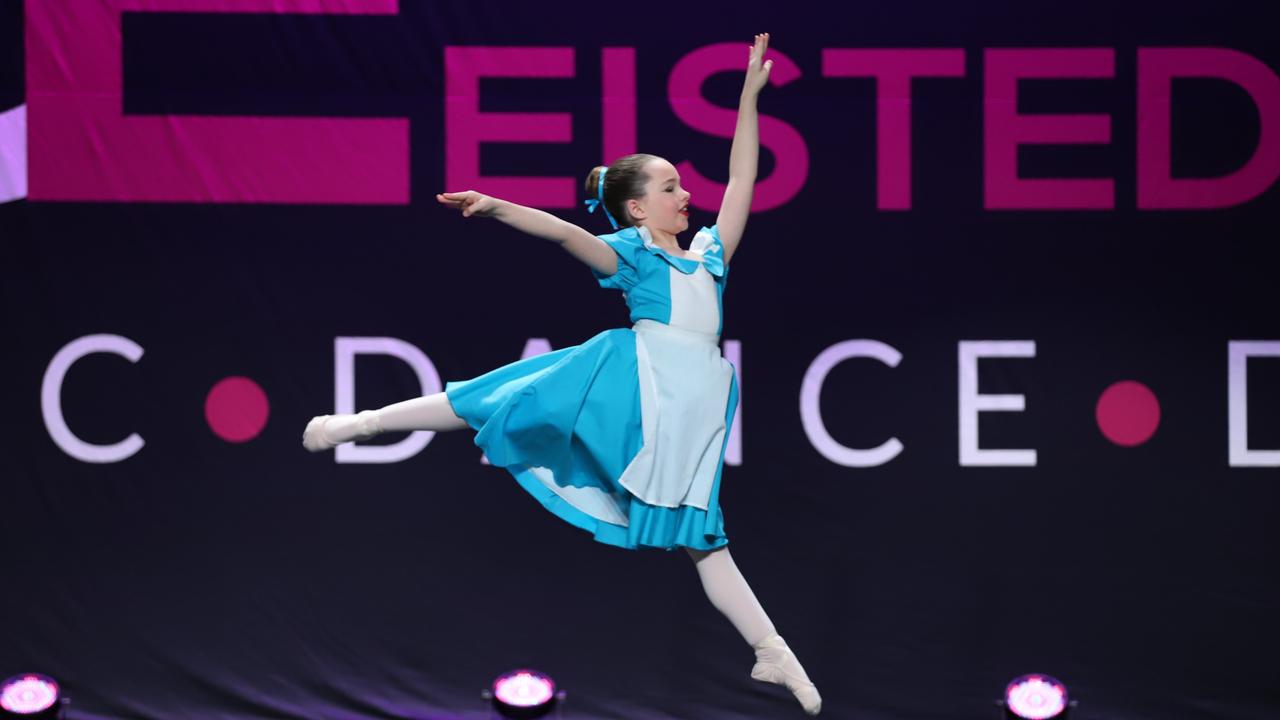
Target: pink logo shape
[
  {"x": 236, "y": 409},
  {"x": 83, "y": 147},
  {"x": 1128, "y": 413}
]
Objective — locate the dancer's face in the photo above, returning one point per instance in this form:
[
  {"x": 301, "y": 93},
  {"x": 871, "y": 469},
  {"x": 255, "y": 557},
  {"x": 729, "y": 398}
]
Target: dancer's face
[{"x": 665, "y": 205}]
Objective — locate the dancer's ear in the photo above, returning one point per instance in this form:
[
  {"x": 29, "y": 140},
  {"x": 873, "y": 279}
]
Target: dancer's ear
[{"x": 635, "y": 209}]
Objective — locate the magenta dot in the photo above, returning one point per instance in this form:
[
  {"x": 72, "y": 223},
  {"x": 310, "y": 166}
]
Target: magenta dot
[
  {"x": 236, "y": 409},
  {"x": 1128, "y": 413}
]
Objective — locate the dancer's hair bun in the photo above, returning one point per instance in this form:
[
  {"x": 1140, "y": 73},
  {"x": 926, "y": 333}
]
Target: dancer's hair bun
[{"x": 593, "y": 181}]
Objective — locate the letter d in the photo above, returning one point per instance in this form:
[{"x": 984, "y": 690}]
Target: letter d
[{"x": 345, "y": 350}]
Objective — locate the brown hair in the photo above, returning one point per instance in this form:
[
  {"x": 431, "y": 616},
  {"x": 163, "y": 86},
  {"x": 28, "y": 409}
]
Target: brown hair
[{"x": 625, "y": 180}]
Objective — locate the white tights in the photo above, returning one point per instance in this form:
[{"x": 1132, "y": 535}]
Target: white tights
[
  {"x": 723, "y": 582},
  {"x": 432, "y": 412},
  {"x": 729, "y": 593}
]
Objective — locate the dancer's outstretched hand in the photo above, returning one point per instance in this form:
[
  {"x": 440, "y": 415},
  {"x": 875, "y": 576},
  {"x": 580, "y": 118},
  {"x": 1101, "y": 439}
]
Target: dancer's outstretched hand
[
  {"x": 757, "y": 67},
  {"x": 469, "y": 202}
]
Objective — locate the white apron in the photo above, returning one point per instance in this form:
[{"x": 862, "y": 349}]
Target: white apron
[{"x": 684, "y": 394}]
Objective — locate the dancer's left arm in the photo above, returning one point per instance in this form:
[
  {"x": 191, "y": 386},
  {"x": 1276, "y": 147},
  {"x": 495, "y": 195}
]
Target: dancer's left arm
[{"x": 745, "y": 152}]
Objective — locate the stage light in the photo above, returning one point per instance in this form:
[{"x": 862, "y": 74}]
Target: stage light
[
  {"x": 31, "y": 696},
  {"x": 524, "y": 694},
  {"x": 1036, "y": 697}
]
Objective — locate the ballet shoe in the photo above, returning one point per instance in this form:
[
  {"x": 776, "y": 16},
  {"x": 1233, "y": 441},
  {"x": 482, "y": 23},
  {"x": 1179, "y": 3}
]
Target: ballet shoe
[
  {"x": 324, "y": 432},
  {"x": 313, "y": 437},
  {"x": 775, "y": 663}
]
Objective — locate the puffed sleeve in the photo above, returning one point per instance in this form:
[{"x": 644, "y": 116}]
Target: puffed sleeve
[
  {"x": 626, "y": 276},
  {"x": 707, "y": 242}
]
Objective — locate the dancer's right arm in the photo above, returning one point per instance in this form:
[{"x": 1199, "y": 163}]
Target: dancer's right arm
[{"x": 578, "y": 242}]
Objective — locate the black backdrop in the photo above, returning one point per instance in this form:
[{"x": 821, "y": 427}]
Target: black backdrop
[{"x": 206, "y": 579}]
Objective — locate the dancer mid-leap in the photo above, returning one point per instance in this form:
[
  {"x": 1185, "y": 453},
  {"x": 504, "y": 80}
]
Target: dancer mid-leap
[{"x": 624, "y": 435}]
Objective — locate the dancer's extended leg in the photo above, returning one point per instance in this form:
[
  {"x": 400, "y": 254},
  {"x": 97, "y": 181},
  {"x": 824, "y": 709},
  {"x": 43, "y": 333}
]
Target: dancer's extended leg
[
  {"x": 729, "y": 592},
  {"x": 432, "y": 412}
]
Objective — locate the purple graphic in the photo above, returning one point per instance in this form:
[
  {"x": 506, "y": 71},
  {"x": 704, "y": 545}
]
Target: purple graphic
[
  {"x": 236, "y": 409},
  {"x": 13, "y": 154},
  {"x": 1128, "y": 413}
]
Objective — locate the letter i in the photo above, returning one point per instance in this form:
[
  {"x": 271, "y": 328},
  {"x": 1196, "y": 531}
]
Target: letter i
[{"x": 618, "y": 102}]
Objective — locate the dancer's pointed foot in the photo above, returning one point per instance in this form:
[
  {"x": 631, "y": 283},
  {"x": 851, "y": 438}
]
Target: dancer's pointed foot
[
  {"x": 326, "y": 431},
  {"x": 775, "y": 663}
]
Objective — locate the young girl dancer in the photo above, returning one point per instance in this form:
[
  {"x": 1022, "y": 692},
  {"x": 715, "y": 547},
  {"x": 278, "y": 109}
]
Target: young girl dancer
[{"x": 624, "y": 435}]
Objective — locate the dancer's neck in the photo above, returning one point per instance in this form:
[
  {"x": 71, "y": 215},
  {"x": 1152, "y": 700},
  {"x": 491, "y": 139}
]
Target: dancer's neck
[{"x": 665, "y": 240}]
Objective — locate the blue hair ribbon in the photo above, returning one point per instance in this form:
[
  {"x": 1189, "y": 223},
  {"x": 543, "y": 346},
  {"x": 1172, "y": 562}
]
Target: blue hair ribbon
[{"x": 598, "y": 201}]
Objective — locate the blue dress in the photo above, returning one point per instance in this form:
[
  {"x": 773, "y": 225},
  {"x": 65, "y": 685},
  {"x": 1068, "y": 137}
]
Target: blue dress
[{"x": 624, "y": 435}]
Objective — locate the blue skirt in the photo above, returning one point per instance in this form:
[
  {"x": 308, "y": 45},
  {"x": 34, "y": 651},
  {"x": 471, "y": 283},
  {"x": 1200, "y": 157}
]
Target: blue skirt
[{"x": 566, "y": 424}]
